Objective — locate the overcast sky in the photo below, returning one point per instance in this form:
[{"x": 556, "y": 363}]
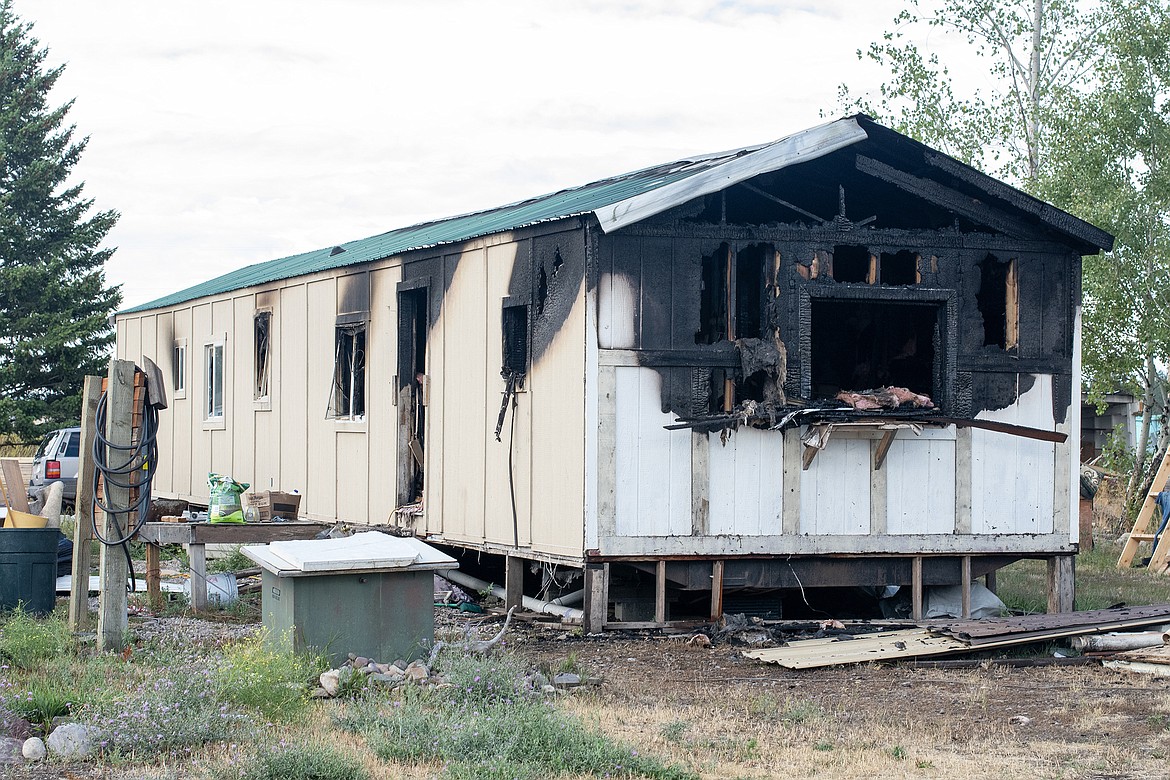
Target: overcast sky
[{"x": 228, "y": 133}]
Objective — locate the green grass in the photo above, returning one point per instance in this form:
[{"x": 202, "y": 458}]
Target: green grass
[
  {"x": 1100, "y": 584},
  {"x": 485, "y": 726},
  {"x": 264, "y": 674},
  {"x": 296, "y": 762},
  {"x": 27, "y": 642},
  {"x": 233, "y": 561}
]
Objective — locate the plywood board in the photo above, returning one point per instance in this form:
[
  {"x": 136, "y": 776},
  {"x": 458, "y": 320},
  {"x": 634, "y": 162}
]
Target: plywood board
[
  {"x": 371, "y": 550},
  {"x": 886, "y": 646}
]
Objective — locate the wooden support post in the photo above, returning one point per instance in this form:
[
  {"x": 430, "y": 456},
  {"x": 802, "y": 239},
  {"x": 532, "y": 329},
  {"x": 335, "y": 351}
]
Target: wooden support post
[
  {"x": 197, "y": 557},
  {"x": 112, "y": 617},
  {"x": 716, "y": 590},
  {"x": 660, "y": 593},
  {"x": 79, "y": 615},
  {"x": 965, "y": 586},
  {"x": 916, "y": 588},
  {"x": 596, "y": 597},
  {"x": 153, "y": 578},
  {"x": 513, "y": 582},
  {"x": 1061, "y": 583}
]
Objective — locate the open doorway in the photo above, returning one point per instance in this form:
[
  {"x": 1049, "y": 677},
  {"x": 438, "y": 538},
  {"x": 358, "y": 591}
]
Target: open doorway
[{"x": 412, "y": 393}]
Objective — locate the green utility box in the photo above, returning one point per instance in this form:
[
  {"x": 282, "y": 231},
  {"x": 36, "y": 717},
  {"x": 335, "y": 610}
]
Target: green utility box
[
  {"x": 381, "y": 615},
  {"x": 370, "y": 594},
  {"x": 28, "y": 568}
]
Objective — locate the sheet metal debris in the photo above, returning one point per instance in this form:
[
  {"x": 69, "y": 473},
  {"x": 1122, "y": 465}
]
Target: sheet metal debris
[{"x": 965, "y": 636}]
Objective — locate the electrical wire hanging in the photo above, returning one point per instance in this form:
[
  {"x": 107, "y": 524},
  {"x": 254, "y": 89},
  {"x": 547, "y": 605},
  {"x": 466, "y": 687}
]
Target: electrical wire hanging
[{"x": 135, "y": 472}]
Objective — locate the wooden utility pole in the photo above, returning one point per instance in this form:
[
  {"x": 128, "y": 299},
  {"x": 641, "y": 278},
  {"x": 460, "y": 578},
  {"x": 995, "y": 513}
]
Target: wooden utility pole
[
  {"x": 112, "y": 618},
  {"x": 79, "y": 615}
]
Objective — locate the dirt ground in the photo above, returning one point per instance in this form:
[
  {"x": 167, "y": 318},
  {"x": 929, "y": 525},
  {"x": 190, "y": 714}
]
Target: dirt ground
[{"x": 725, "y": 716}]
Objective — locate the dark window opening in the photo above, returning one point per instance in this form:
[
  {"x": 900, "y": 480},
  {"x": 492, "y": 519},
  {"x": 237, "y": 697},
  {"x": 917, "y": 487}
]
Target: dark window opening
[
  {"x": 728, "y": 277},
  {"x": 261, "y": 330},
  {"x": 899, "y": 268},
  {"x": 349, "y": 374},
  {"x": 997, "y": 302},
  {"x": 851, "y": 263},
  {"x": 749, "y": 290},
  {"x": 713, "y": 296},
  {"x": 861, "y": 345},
  {"x": 413, "y": 325},
  {"x": 515, "y": 340}
]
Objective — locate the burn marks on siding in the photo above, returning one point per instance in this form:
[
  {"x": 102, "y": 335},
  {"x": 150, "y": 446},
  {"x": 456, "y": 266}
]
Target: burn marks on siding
[{"x": 726, "y": 321}]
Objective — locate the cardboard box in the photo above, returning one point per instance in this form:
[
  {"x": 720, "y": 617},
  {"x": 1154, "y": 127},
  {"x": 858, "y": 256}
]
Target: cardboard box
[{"x": 273, "y": 503}]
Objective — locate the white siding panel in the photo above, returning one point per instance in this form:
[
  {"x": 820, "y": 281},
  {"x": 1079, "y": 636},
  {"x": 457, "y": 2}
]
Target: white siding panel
[
  {"x": 1012, "y": 477},
  {"x": 617, "y": 297},
  {"x": 834, "y": 491},
  {"x": 746, "y": 485},
  {"x": 920, "y": 482},
  {"x": 653, "y": 465}
]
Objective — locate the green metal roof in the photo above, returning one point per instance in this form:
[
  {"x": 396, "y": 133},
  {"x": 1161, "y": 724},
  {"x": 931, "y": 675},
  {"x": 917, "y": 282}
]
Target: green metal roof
[{"x": 558, "y": 205}]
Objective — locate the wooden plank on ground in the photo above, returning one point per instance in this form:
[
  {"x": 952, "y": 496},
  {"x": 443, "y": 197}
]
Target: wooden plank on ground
[{"x": 886, "y": 646}]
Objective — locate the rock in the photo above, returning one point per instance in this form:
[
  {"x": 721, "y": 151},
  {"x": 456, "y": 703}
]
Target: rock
[
  {"x": 401, "y": 664},
  {"x": 33, "y": 749},
  {"x": 389, "y": 680},
  {"x": 319, "y": 693},
  {"x": 417, "y": 672},
  {"x": 71, "y": 741},
  {"x": 373, "y": 668},
  {"x": 1019, "y": 720},
  {"x": 566, "y": 680},
  {"x": 331, "y": 681},
  {"x": 17, "y": 728},
  {"x": 360, "y": 662},
  {"x": 548, "y": 689},
  {"x": 393, "y": 672},
  {"x": 537, "y": 681},
  {"x": 10, "y": 751}
]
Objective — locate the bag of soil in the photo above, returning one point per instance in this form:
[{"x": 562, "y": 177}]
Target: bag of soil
[{"x": 224, "y": 505}]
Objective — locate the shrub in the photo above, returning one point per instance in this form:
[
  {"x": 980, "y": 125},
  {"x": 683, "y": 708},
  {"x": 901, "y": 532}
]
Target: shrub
[
  {"x": 485, "y": 725},
  {"x": 297, "y": 762},
  {"x": 233, "y": 561},
  {"x": 28, "y": 641},
  {"x": 265, "y": 674},
  {"x": 176, "y": 709}
]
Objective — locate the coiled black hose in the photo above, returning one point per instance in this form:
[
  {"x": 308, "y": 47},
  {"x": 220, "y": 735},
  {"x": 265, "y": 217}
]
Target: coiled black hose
[{"x": 136, "y": 472}]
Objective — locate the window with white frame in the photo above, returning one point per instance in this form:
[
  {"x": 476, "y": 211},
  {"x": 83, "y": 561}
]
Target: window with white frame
[
  {"x": 213, "y": 363},
  {"x": 180, "y": 368},
  {"x": 348, "y": 395}
]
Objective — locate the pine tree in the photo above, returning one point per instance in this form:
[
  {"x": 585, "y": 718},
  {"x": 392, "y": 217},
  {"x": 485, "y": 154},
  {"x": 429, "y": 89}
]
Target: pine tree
[{"x": 54, "y": 301}]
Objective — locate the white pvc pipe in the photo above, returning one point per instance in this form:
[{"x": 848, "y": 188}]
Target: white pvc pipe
[
  {"x": 570, "y": 599},
  {"x": 536, "y": 605}
]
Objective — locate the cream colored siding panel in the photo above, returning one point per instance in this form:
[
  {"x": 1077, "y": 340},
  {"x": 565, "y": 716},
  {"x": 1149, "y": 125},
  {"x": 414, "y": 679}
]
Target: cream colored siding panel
[
  {"x": 202, "y": 333},
  {"x": 321, "y": 497},
  {"x": 294, "y": 378},
  {"x": 463, "y": 397},
  {"x": 834, "y": 491},
  {"x": 1012, "y": 477},
  {"x": 243, "y": 427},
  {"x": 353, "y": 476},
  {"x": 653, "y": 464},
  {"x": 746, "y": 482},
  {"x": 558, "y": 435},
  {"x": 617, "y": 304},
  {"x": 516, "y": 436},
  {"x": 184, "y": 410},
  {"x": 920, "y": 482},
  {"x": 381, "y": 388}
]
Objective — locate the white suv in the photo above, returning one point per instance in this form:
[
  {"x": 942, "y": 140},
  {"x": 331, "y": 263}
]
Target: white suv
[{"x": 57, "y": 461}]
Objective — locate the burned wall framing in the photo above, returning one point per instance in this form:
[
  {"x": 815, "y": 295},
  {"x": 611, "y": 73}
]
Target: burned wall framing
[{"x": 661, "y": 263}]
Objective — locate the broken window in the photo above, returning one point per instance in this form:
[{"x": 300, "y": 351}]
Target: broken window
[
  {"x": 261, "y": 329},
  {"x": 349, "y": 373},
  {"x": 998, "y": 301},
  {"x": 213, "y": 362},
  {"x": 859, "y": 345},
  {"x": 413, "y": 325},
  {"x": 180, "y": 366},
  {"x": 731, "y": 300},
  {"x": 852, "y": 264},
  {"x": 899, "y": 268},
  {"x": 515, "y": 339}
]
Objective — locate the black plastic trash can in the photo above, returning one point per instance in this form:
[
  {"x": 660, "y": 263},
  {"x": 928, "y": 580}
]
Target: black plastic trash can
[{"x": 28, "y": 568}]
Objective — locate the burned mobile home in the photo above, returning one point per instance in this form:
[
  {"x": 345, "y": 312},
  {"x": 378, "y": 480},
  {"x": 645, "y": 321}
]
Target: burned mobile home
[{"x": 631, "y": 388}]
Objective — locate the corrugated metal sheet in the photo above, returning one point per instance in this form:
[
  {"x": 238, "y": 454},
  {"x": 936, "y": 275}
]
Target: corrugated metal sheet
[{"x": 558, "y": 205}]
